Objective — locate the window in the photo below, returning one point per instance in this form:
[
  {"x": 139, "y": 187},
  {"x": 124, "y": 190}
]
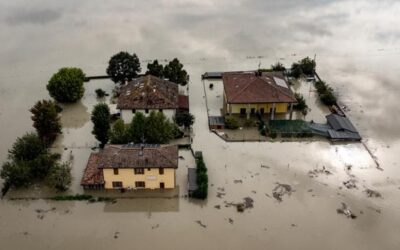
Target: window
[
  {"x": 160, "y": 110},
  {"x": 253, "y": 111},
  {"x": 116, "y": 172},
  {"x": 133, "y": 111},
  {"x": 162, "y": 185},
  {"x": 161, "y": 171},
  {"x": 242, "y": 111},
  {"x": 117, "y": 184},
  {"x": 148, "y": 169},
  {"x": 147, "y": 111},
  {"x": 139, "y": 170},
  {"x": 140, "y": 184}
]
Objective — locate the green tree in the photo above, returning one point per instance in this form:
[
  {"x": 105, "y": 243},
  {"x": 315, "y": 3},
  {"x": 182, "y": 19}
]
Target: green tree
[
  {"x": 301, "y": 102},
  {"x": 158, "y": 128},
  {"x": 184, "y": 119},
  {"x": 118, "y": 134},
  {"x": 42, "y": 164},
  {"x": 67, "y": 85},
  {"x": 101, "y": 123},
  {"x": 46, "y": 120},
  {"x": 155, "y": 69},
  {"x": 136, "y": 130},
  {"x": 60, "y": 177},
  {"x": 308, "y": 66},
  {"x": 278, "y": 67},
  {"x": 27, "y": 148},
  {"x": 175, "y": 73},
  {"x": 16, "y": 174},
  {"x": 123, "y": 66}
]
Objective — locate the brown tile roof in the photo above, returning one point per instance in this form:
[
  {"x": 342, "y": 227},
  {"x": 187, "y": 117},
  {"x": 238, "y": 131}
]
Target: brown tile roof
[
  {"x": 183, "y": 102},
  {"x": 138, "y": 156},
  {"x": 92, "y": 175},
  {"x": 148, "y": 92},
  {"x": 250, "y": 88}
]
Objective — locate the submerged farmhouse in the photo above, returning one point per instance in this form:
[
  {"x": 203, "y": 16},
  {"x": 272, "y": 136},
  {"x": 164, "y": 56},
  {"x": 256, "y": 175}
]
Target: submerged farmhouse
[
  {"x": 147, "y": 93},
  {"x": 249, "y": 93},
  {"x": 132, "y": 166}
]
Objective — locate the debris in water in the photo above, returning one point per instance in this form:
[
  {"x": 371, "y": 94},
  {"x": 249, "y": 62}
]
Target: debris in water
[
  {"x": 230, "y": 221},
  {"x": 240, "y": 207},
  {"x": 294, "y": 225},
  {"x": 310, "y": 190},
  {"x": 373, "y": 193},
  {"x": 200, "y": 223},
  {"x": 346, "y": 211},
  {"x": 156, "y": 226},
  {"x": 181, "y": 157},
  {"x": 254, "y": 192},
  {"x": 116, "y": 235},
  {"x": 378, "y": 210},
  {"x": 350, "y": 184},
  {"x": 269, "y": 196},
  {"x": 265, "y": 166},
  {"x": 217, "y": 206},
  {"x": 316, "y": 172},
  {"x": 237, "y": 181},
  {"x": 220, "y": 194},
  {"x": 280, "y": 190}
]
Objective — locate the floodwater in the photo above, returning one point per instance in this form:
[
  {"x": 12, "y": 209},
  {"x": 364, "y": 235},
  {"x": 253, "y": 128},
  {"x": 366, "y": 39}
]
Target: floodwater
[{"x": 356, "y": 44}]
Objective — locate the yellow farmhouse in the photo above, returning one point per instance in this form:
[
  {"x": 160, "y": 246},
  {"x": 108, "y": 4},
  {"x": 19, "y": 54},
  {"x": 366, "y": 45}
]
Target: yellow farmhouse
[
  {"x": 132, "y": 166},
  {"x": 249, "y": 93}
]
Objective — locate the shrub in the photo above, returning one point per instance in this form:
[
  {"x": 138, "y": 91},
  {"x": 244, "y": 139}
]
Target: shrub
[
  {"x": 59, "y": 177},
  {"x": 304, "y": 66},
  {"x": 278, "y": 67},
  {"x": 301, "y": 103},
  {"x": 67, "y": 85},
  {"x": 118, "y": 133},
  {"x": 231, "y": 122},
  {"x": 273, "y": 134},
  {"x": 100, "y": 93},
  {"x": 177, "y": 133},
  {"x": 202, "y": 179},
  {"x": 325, "y": 93},
  {"x": 184, "y": 119}
]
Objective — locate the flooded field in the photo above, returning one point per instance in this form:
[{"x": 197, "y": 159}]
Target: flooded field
[{"x": 295, "y": 187}]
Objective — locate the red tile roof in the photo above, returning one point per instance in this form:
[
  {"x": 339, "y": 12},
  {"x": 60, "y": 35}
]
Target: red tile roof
[
  {"x": 183, "y": 102},
  {"x": 148, "y": 92},
  {"x": 138, "y": 156},
  {"x": 252, "y": 88},
  {"x": 92, "y": 175}
]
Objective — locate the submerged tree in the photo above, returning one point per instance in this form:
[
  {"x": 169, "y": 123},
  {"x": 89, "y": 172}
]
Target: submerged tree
[
  {"x": 118, "y": 134},
  {"x": 155, "y": 69},
  {"x": 27, "y": 148},
  {"x": 123, "y": 66},
  {"x": 101, "y": 123},
  {"x": 184, "y": 119},
  {"x": 278, "y": 67},
  {"x": 136, "y": 130},
  {"x": 67, "y": 85},
  {"x": 175, "y": 73},
  {"x": 60, "y": 177},
  {"x": 46, "y": 120}
]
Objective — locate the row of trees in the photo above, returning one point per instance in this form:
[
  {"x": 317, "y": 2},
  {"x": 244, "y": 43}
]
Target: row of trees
[
  {"x": 155, "y": 128},
  {"x": 325, "y": 93},
  {"x": 124, "y": 66},
  {"x": 30, "y": 160}
]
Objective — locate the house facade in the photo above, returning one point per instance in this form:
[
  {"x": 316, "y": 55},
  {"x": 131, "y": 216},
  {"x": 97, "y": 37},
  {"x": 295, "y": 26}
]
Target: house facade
[
  {"x": 249, "y": 93},
  {"x": 149, "y": 93},
  {"x": 132, "y": 166}
]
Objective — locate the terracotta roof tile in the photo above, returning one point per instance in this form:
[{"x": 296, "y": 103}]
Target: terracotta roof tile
[
  {"x": 92, "y": 175},
  {"x": 148, "y": 92},
  {"x": 250, "y": 88}
]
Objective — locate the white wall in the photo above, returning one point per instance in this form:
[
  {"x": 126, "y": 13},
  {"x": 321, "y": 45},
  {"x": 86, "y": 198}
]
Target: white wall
[{"x": 127, "y": 115}]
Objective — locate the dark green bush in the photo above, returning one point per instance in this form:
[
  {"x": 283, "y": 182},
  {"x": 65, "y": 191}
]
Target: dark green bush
[{"x": 231, "y": 122}]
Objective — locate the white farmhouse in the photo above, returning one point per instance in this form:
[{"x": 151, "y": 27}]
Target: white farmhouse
[{"x": 149, "y": 93}]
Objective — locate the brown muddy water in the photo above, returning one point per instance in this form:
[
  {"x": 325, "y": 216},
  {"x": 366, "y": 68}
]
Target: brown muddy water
[{"x": 357, "y": 49}]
